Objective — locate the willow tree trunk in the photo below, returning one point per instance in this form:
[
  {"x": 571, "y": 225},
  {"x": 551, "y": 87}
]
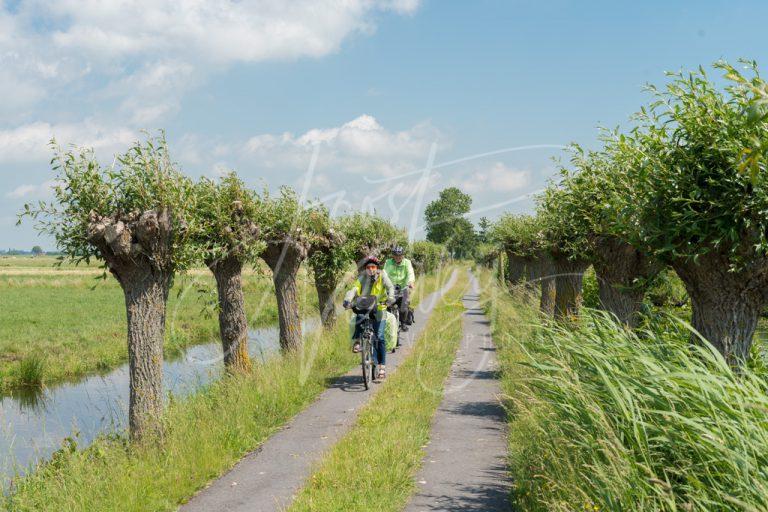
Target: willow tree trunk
[
  {"x": 547, "y": 281},
  {"x": 138, "y": 250},
  {"x": 622, "y": 273},
  {"x": 233, "y": 324},
  {"x": 569, "y": 277},
  {"x": 726, "y": 305},
  {"x": 146, "y": 295},
  {"x": 285, "y": 260},
  {"x": 515, "y": 271},
  {"x": 501, "y": 265},
  {"x": 533, "y": 271},
  {"x": 326, "y": 287}
]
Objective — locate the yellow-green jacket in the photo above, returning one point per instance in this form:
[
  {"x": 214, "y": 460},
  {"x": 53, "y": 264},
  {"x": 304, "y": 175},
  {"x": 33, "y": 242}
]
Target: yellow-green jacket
[
  {"x": 401, "y": 274},
  {"x": 380, "y": 286}
]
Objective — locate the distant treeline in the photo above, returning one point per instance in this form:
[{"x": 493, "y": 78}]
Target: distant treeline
[{"x": 36, "y": 251}]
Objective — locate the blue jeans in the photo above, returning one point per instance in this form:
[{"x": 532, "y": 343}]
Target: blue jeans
[{"x": 379, "y": 341}]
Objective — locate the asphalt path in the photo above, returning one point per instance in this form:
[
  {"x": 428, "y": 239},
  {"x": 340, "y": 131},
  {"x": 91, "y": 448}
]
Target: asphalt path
[
  {"x": 269, "y": 478},
  {"x": 465, "y": 463}
]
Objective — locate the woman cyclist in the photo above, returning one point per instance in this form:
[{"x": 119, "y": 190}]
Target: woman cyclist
[{"x": 373, "y": 281}]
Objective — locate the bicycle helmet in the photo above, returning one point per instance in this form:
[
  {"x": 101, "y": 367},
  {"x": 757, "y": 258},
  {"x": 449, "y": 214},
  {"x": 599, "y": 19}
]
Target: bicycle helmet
[
  {"x": 398, "y": 250},
  {"x": 371, "y": 259}
]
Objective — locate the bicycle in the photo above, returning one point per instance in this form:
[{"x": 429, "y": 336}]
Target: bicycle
[
  {"x": 365, "y": 309},
  {"x": 395, "y": 310}
]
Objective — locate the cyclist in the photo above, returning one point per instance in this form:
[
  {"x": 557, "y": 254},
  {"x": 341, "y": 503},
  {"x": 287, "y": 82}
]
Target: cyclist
[
  {"x": 400, "y": 271},
  {"x": 373, "y": 281}
]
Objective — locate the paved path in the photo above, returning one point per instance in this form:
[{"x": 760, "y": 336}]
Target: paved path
[
  {"x": 267, "y": 479},
  {"x": 465, "y": 464}
]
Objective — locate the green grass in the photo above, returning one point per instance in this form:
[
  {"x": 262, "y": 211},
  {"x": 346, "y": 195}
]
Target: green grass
[
  {"x": 205, "y": 435},
  {"x": 602, "y": 418},
  {"x": 32, "y": 371},
  {"x": 79, "y": 323},
  {"x": 373, "y": 466}
]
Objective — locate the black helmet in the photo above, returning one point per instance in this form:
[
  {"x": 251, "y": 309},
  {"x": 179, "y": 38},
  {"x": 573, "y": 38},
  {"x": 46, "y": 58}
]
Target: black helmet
[
  {"x": 398, "y": 250},
  {"x": 371, "y": 259}
]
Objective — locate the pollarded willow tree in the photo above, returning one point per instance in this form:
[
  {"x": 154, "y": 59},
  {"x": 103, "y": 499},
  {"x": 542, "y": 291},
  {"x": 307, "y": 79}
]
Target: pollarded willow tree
[
  {"x": 288, "y": 230},
  {"x": 594, "y": 192},
  {"x": 698, "y": 198},
  {"x": 521, "y": 238},
  {"x": 370, "y": 235},
  {"x": 132, "y": 216},
  {"x": 341, "y": 243},
  {"x": 226, "y": 237},
  {"x": 566, "y": 237},
  {"x": 486, "y": 254},
  {"x": 427, "y": 256},
  {"x": 330, "y": 256}
]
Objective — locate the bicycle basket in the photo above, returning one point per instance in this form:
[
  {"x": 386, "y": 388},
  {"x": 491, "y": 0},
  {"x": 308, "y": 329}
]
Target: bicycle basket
[{"x": 364, "y": 305}]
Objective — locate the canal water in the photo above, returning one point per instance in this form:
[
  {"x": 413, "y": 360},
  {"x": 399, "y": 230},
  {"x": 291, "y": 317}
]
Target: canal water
[{"x": 35, "y": 424}]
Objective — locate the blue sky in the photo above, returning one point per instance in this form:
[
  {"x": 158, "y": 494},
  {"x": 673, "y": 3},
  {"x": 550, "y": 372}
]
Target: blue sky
[{"x": 371, "y": 91}]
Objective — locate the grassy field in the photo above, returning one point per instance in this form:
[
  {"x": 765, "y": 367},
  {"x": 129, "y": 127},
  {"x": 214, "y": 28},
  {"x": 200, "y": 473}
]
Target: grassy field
[
  {"x": 205, "y": 435},
  {"x": 62, "y": 323},
  {"x": 373, "y": 466},
  {"x": 602, "y": 418}
]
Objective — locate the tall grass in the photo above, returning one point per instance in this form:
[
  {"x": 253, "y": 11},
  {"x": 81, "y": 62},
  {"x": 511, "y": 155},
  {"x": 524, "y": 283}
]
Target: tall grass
[
  {"x": 32, "y": 371},
  {"x": 608, "y": 419}
]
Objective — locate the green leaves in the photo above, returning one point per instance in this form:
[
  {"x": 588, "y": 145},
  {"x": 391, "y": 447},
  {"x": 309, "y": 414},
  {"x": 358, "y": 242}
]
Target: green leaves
[
  {"x": 226, "y": 216},
  {"x": 696, "y": 168},
  {"x": 519, "y": 234},
  {"x": 427, "y": 256},
  {"x": 142, "y": 179}
]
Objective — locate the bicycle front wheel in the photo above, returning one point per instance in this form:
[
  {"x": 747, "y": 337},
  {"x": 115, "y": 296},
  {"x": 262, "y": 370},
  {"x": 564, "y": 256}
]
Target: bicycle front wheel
[{"x": 366, "y": 362}]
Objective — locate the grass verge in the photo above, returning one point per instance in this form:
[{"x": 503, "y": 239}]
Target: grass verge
[
  {"x": 602, "y": 418},
  {"x": 372, "y": 467},
  {"x": 205, "y": 434}
]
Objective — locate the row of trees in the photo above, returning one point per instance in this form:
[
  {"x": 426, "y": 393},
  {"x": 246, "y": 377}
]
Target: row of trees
[
  {"x": 147, "y": 222},
  {"x": 686, "y": 188}
]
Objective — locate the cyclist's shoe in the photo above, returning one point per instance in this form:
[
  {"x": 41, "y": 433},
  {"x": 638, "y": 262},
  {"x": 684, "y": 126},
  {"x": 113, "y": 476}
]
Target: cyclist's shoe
[
  {"x": 356, "y": 347},
  {"x": 404, "y": 328}
]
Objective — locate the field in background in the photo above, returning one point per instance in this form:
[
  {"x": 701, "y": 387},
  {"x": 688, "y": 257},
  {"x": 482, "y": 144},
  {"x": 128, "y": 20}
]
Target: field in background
[{"x": 60, "y": 323}]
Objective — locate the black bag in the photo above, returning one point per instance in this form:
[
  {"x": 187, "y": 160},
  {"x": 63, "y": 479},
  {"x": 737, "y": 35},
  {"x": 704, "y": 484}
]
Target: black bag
[{"x": 364, "y": 305}]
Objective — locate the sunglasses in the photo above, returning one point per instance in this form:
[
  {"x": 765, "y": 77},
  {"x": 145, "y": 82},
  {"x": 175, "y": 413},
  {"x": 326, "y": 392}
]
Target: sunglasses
[{"x": 371, "y": 266}]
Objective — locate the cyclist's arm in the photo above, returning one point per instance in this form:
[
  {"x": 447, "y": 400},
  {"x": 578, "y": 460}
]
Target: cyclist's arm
[
  {"x": 351, "y": 294},
  {"x": 411, "y": 275},
  {"x": 389, "y": 287}
]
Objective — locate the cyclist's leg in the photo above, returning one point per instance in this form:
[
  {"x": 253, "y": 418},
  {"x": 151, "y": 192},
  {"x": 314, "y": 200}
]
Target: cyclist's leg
[
  {"x": 356, "y": 334},
  {"x": 381, "y": 341},
  {"x": 404, "y": 303}
]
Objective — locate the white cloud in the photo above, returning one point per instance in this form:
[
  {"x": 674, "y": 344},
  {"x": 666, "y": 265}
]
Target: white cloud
[
  {"x": 360, "y": 146},
  {"x": 215, "y": 30},
  {"x": 40, "y": 191},
  {"x": 152, "y": 51},
  {"x": 29, "y": 143},
  {"x": 497, "y": 178}
]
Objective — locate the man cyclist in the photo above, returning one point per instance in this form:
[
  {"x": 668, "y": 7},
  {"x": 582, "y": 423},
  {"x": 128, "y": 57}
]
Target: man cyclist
[
  {"x": 373, "y": 281},
  {"x": 400, "y": 271}
]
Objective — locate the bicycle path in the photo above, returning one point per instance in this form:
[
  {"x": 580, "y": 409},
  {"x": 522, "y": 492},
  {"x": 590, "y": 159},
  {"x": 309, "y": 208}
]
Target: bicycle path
[
  {"x": 465, "y": 466},
  {"x": 267, "y": 479}
]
